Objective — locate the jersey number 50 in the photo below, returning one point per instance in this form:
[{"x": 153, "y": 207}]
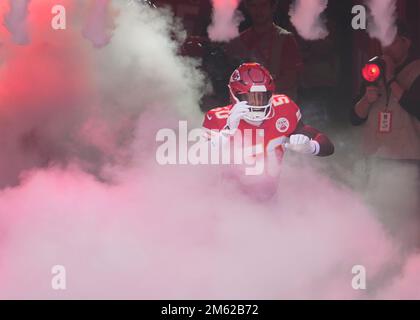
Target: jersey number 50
[{"x": 221, "y": 113}]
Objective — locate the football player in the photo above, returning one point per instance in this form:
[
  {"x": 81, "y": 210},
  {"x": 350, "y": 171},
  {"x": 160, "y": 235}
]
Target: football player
[{"x": 255, "y": 106}]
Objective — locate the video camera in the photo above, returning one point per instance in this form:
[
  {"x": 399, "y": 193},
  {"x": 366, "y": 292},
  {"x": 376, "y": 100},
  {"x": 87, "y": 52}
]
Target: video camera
[{"x": 374, "y": 71}]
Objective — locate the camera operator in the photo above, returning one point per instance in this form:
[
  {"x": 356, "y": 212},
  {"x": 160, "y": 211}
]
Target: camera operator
[{"x": 389, "y": 115}]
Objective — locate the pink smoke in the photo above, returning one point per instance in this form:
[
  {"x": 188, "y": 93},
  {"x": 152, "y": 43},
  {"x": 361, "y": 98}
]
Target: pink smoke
[
  {"x": 175, "y": 233},
  {"x": 81, "y": 187},
  {"x": 305, "y": 16},
  {"x": 226, "y": 20},
  {"x": 16, "y": 21},
  {"x": 96, "y": 26},
  {"x": 382, "y": 22}
]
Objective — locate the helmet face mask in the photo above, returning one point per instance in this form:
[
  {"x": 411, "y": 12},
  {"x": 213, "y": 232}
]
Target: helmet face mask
[
  {"x": 252, "y": 83},
  {"x": 259, "y": 105}
]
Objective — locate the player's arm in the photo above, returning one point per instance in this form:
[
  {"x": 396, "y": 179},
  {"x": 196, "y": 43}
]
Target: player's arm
[
  {"x": 224, "y": 120},
  {"x": 306, "y": 139},
  {"x": 214, "y": 127}
]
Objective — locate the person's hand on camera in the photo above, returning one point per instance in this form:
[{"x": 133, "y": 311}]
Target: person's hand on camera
[{"x": 372, "y": 94}]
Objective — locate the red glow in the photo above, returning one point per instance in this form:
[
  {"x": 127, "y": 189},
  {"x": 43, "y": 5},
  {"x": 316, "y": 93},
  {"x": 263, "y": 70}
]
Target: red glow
[
  {"x": 371, "y": 72},
  {"x": 53, "y": 67},
  {"x": 225, "y": 3}
]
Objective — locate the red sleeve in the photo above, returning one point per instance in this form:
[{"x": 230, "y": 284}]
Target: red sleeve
[
  {"x": 216, "y": 119},
  {"x": 325, "y": 144},
  {"x": 207, "y": 123}
]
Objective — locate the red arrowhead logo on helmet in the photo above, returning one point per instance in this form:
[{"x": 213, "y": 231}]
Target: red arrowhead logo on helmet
[{"x": 236, "y": 76}]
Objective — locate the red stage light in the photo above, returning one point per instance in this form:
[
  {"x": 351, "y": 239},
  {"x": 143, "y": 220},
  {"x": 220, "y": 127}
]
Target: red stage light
[{"x": 371, "y": 72}]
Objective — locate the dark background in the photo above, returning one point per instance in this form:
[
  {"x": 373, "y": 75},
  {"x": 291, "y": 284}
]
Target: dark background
[{"x": 348, "y": 48}]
